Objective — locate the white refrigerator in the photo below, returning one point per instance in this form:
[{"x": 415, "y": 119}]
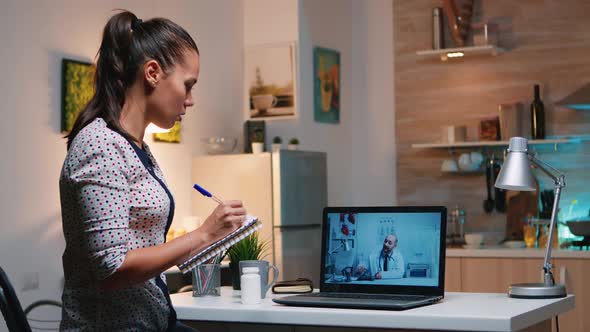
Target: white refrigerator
[{"x": 287, "y": 190}]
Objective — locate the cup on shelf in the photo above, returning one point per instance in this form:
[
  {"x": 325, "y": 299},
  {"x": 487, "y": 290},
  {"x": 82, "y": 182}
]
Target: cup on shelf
[
  {"x": 452, "y": 134},
  {"x": 484, "y": 34},
  {"x": 511, "y": 120},
  {"x": 449, "y": 165},
  {"x": 470, "y": 162}
]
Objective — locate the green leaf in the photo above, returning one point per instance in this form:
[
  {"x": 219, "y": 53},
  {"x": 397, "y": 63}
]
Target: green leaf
[{"x": 250, "y": 248}]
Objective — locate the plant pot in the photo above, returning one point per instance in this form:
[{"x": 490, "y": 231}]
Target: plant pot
[
  {"x": 235, "y": 275},
  {"x": 257, "y": 147},
  {"x": 293, "y": 147},
  {"x": 276, "y": 147}
]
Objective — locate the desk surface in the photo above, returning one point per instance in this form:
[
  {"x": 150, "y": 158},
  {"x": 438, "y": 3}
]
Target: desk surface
[{"x": 458, "y": 311}]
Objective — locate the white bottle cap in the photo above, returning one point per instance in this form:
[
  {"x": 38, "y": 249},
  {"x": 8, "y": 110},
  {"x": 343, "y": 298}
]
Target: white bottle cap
[{"x": 250, "y": 269}]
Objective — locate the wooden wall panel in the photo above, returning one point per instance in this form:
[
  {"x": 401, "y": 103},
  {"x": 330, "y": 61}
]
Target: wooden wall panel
[{"x": 548, "y": 42}]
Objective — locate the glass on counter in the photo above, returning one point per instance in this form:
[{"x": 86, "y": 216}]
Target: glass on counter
[
  {"x": 536, "y": 233},
  {"x": 530, "y": 237}
]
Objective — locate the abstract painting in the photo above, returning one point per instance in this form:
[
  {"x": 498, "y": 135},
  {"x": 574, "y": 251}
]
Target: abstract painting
[
  {"x": 326, "y": 87},
  {"x": 77, "y": 90}
]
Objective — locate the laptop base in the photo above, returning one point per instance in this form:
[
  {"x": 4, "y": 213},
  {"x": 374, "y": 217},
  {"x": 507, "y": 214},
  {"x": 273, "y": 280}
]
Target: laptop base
[{"x": 347, "y": 303}]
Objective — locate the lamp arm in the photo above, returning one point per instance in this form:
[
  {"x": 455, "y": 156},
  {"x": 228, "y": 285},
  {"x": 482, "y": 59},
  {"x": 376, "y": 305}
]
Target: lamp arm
[
  {"x": 547, "y": 266},
  {"x": 556, "y": 175},
  {"x": 559, "y": 179}
]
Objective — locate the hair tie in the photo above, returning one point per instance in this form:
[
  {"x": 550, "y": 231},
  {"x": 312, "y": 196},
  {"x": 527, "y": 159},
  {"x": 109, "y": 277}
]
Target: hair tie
[{"x": 136, "y": 23}]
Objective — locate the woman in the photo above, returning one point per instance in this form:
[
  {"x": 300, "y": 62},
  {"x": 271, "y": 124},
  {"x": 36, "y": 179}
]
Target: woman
[{"x": 116, "y": 207}]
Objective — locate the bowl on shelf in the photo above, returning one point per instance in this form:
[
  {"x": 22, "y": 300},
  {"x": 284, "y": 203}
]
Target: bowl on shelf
[
  {"x": 474, "y": 239},
  {"x": 219, "y": 145},
  {"x": 470, "y": 162}
]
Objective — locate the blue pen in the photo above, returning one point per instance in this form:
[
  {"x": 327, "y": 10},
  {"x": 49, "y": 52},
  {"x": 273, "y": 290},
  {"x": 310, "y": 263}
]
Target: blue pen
[{"x": 204, "y": 192}]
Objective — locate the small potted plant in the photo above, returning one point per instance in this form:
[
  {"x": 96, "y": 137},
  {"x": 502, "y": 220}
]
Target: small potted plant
[
  {"x": 293, "y": 144},
  {"x": 257, "y": 141},
  {"x": 276, "y": 144},
  {"x": 251, "y": 248}
]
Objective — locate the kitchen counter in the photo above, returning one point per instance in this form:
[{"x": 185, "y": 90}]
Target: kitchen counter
[
  {"x": 499, "y": 251},
  {"x": 458, "y": 312}
]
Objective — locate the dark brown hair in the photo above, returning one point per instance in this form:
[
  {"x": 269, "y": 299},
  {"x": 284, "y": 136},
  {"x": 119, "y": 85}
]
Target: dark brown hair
[{"x": 127, "y": 43}]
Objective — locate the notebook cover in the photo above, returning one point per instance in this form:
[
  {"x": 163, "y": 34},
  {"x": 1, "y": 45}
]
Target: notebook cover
[{"x": 250, "y": 226}]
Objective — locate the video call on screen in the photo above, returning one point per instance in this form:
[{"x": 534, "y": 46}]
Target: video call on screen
[{"x": 383, "y": 248}]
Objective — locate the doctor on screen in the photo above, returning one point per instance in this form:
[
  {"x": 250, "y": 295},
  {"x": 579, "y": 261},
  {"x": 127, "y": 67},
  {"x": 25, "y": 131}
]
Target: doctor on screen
[{"x": 387, "y": 263}]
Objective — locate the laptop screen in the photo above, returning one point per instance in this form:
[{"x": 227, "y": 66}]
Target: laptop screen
[{"x": 389, "y": 248}]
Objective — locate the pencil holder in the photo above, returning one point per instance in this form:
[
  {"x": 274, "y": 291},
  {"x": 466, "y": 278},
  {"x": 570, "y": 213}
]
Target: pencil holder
[{"x": 206, "y": 280}]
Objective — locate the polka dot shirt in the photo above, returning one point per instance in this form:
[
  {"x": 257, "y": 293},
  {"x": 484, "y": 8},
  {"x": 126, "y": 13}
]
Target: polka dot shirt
[{"x": 111, "y": 204}]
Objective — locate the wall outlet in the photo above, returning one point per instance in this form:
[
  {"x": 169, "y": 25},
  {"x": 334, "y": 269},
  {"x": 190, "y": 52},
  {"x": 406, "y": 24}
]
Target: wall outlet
[{"x": 30, "y": 281}]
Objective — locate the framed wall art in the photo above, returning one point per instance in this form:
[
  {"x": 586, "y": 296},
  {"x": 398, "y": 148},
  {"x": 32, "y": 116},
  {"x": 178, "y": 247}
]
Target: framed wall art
[
  {"x": 326, "y": 87},
  {"x": 270, "y": 81},
  {"x": 169, "y": 136},
  {"x": 76, "y": 91}
]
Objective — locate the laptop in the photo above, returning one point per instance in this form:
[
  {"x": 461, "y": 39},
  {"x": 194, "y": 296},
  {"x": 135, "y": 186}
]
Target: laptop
[{"x": 390, "y": 258}]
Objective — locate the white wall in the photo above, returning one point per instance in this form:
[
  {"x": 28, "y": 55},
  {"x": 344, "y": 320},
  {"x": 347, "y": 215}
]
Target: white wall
[
  {"x": 35, "y": 36},
  {"x": 269, "y": 21},
  {"x": 373, "y": 113},
  {"x": 361, "y": 149}
]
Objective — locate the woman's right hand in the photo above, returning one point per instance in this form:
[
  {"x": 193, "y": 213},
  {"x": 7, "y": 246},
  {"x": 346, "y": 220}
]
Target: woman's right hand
[{"x": 227, "y": 217}]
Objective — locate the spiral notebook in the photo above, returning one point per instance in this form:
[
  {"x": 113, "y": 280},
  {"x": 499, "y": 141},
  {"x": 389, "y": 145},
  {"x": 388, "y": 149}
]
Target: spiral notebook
[{"x": 251, "y": 224}]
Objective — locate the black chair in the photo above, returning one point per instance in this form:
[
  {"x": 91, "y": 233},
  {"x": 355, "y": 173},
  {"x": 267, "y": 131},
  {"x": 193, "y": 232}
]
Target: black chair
[
  {"x": 11, "y": 309},
  {"x": 14, "y": 315}
]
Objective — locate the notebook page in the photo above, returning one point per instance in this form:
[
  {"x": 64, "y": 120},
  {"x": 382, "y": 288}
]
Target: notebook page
[{"x": 250, "y": 225}]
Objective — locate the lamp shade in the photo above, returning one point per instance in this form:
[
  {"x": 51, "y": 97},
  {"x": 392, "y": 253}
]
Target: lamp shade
[
  {"x": 577, "y": 100},
  {"x": 516, "y": 172}
]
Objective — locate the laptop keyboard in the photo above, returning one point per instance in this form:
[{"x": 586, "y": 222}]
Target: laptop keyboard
[{"x": 369, "y": 296}]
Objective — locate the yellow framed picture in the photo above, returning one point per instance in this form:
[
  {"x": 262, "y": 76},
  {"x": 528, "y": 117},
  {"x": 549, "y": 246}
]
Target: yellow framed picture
[{"x": 76, "y": 91}]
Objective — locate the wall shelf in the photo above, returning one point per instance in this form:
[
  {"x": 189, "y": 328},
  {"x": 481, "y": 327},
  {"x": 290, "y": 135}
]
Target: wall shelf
[
  {"x": 445, "y": 53},
  {"x": 491, "y": 143}
]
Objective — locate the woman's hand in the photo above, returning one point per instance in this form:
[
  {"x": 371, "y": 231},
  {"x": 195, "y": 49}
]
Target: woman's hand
[
  {"x": 226, "y": 218},
  {"x": 144, "y": 263}
]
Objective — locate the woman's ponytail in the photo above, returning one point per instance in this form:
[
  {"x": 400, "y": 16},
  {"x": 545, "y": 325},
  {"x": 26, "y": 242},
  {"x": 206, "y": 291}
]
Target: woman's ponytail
[{"x": 127, "y": 43}]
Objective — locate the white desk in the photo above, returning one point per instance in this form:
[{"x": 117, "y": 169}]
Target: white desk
[{"x": 458, "y": 312}]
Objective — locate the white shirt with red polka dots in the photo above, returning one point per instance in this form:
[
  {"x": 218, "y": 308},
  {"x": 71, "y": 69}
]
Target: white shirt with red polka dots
[{"x": 110, "y": 204}]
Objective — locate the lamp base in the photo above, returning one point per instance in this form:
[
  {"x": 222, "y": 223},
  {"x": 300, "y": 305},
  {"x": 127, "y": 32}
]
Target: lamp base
[{"x": 536, "y": 291}]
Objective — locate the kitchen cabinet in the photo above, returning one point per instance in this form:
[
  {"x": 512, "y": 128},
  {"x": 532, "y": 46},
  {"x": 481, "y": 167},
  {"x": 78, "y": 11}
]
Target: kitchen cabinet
[
  {"x": 576, "y": 280},
  {"x": 453, "y": 274},
  {"x": 495, "y": 274}
]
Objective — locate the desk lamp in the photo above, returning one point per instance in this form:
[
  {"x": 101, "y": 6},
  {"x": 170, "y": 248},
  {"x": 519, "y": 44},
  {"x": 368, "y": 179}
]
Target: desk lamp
[{"x": 516, "y": 175}]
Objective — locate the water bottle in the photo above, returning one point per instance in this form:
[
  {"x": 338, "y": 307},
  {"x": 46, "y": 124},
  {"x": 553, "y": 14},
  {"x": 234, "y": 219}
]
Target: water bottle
[{"x": 250, "y": 285}]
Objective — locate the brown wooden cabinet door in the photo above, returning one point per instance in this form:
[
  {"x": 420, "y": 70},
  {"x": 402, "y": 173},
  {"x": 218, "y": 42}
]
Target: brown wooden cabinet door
[
  {"x": 494, "y": 275},
  {"x": 577, "y": 282},
  {"x": 453, "y": 274}
]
